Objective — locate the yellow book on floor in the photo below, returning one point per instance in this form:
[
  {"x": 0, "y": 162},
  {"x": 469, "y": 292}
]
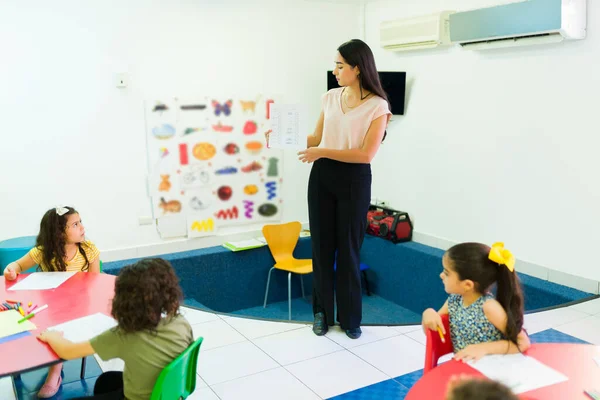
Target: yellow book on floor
[{"x": 9, "y": 323}]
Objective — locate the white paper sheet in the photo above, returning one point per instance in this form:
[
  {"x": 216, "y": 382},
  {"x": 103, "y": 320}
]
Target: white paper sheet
[
  {"x": 261, "y": 239},
  {"x": 172, "y": 226},
  {"x": 289, "y": 126},
  {"x": 85, "y": 328},
  {"x": 519, "y": 372},
  {"x": 42, "y": 281}
]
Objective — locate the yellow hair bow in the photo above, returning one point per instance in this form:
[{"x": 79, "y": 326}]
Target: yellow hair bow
[{"x": 500, "y": 255}]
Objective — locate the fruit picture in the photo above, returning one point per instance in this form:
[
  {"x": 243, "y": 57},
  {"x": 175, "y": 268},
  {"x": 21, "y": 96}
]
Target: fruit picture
[
  {"x": 224, "y": 193},
  {"x": 254, "y": 147},
  {"x": 249, "y": 128},
  {"x": 231, "y": 149},
  {"x": 204, "y": 151},
  {"x": 208, "y": 163},
  {"x": 250, "y": 190}
]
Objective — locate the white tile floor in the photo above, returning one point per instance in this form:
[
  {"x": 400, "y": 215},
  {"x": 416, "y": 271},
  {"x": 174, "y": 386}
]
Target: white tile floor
[{"x": 248, "y": 359}]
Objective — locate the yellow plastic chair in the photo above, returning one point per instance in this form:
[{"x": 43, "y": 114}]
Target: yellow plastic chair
[{"x": 282, "y": 240}]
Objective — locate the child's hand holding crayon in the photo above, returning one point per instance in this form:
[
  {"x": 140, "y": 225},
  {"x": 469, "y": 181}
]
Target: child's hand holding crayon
[{"x": 433, "y": 321}]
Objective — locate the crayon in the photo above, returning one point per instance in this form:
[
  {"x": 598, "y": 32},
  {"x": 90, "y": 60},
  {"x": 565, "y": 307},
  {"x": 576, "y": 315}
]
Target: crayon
[
  {"x": 441, "y": 334},
  {"x": 25, "y": 318}
]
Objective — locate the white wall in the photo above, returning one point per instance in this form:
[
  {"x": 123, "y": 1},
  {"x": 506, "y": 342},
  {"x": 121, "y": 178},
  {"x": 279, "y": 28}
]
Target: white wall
[
  {"x": 69, "y": 136},
  {"x": 499, "y": 145},
  {"x": 494, "y": 146}
]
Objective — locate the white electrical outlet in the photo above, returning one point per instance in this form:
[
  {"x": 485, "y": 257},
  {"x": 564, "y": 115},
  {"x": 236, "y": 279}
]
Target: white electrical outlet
[
  {"x": 146, "y": 220},
  {"x": 379, "y": 202},
  {"x": 121, "y": 80}
]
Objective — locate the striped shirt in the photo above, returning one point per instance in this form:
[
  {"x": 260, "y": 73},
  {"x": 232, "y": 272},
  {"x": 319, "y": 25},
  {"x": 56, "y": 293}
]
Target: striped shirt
[{"x": 76, "y": 264}]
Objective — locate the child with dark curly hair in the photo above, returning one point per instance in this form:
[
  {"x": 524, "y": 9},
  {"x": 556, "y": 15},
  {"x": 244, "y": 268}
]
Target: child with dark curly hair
[
  {"x": 475, "y": 388},
  {"x": 150, "y": 332}
]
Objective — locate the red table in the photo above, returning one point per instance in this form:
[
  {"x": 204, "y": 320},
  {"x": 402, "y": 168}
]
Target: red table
[
  {"x": 573, "y": 360},
  {"x": 83, "y": 294}
]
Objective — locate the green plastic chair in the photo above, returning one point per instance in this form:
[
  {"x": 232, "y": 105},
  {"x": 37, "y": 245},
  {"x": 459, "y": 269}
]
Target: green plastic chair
[{"x": 178, "y": 379}]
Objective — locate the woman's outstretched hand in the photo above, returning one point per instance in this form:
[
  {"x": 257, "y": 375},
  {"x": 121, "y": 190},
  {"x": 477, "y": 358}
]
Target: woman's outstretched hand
[{"x": 309, "y": 155}]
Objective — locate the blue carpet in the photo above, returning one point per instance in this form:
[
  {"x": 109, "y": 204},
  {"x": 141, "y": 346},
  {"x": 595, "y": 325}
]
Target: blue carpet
[
  {"x": 72, "y": 386},
  {"x": 404, "y": 276},
  {"x": 225, "y": 281},
  {"x": 376, "y": 310},
  {"x": 408, "y": 274},
  {"x": 195, "y": 304}
]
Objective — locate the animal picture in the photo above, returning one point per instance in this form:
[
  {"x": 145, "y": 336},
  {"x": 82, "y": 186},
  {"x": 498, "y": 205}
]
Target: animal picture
[
  {"x": 173, "y": 206},
  {"x": 164, "y": 185},
  {"x": 207, "y": 167},
  {"x": 249, "y": 105}
]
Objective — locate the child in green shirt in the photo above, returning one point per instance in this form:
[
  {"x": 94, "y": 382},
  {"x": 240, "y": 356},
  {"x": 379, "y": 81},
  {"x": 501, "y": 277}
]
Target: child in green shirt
[{"x": 150, "y": 332}]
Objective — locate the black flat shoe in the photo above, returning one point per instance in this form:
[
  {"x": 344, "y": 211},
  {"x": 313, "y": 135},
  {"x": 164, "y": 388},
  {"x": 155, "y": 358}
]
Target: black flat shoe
[
  {"x": 320, "y": 326},
  {"x": 353, "y": 333}
]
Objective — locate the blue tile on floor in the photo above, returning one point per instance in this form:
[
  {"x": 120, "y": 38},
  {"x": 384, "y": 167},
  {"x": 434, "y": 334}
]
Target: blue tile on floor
[
  {"x": 554, "y": 336},
  {"x": 32, "y": 381},
  {"x": 389, "y": 389},
  {"x": 408, "y": 380}
]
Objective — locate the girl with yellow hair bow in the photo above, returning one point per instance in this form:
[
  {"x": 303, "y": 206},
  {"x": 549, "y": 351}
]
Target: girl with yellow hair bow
[{"x": 480, "y": 323}]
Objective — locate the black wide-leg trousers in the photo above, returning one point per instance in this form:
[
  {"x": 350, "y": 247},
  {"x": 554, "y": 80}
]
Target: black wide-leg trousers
[{"x": 339, "y": 195}]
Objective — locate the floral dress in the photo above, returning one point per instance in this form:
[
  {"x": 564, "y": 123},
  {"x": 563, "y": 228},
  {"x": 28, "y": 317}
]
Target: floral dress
[{"x": 469, "y": 325}]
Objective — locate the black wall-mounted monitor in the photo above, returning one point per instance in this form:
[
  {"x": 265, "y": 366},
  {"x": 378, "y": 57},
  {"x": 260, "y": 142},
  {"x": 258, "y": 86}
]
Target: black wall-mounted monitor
[{"x": 394, "y": 85}]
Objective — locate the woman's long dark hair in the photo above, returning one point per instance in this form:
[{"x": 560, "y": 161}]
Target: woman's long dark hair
[
  {"x": 52, "y": 239},
  {"x": 471, "y": 261},
  {"x": 357, "y": 53}
]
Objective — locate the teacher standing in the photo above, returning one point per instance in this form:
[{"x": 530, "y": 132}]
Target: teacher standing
[{"x": 348, "y": 134}]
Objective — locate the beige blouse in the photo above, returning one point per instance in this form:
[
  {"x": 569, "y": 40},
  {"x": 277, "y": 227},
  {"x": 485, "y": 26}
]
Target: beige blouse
[{"x": 347, "y": 131}]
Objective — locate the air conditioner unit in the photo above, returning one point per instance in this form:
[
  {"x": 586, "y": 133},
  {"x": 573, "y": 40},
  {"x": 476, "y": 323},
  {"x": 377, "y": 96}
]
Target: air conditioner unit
[
  {"x": 417, "y": 33},
  {"x": 519, "y": 24}
]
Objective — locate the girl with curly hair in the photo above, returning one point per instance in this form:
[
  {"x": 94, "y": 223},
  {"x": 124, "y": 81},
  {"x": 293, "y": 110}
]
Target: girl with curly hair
[
  {"x": 60, "y": 246},
  {"x": 150, "y": 332}
]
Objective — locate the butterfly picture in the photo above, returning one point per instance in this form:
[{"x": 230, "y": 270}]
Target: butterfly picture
[{"x": 224, "y": 108}]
